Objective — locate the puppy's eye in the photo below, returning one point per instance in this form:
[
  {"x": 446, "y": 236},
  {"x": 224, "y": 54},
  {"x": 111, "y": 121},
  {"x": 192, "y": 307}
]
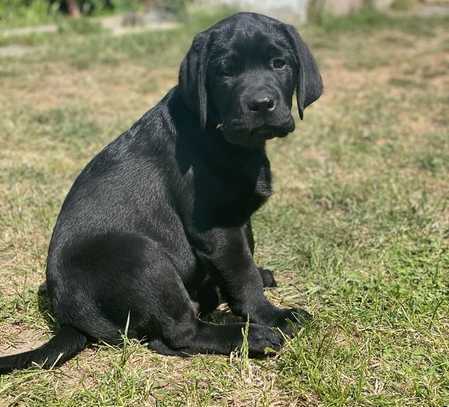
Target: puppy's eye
[
  {"x": 226, "y": 70},
  {"x": 278, "y": 63}
]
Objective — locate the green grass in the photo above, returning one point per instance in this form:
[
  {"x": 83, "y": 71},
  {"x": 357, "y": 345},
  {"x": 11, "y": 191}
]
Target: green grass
[{"x": 357, "y": 230}]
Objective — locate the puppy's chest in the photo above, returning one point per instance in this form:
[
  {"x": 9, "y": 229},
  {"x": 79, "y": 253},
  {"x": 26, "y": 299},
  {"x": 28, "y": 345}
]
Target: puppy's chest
[
  {"x": 262, "y": 187},
  {"x": 227, "y": 198},
  {"x": 246, "y": 194},
  {"x": 263, "y": 183}
]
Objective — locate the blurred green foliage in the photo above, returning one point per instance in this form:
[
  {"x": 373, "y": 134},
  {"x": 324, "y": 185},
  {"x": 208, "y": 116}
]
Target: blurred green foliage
[
  {"x": 31, "y": 11},
  {"x": 17, "y": 12}
]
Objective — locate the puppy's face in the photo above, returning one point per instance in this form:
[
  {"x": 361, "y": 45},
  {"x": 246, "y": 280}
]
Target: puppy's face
[
  {"x": 240, "y": 75},
  {"x": 251, "y": 79}
]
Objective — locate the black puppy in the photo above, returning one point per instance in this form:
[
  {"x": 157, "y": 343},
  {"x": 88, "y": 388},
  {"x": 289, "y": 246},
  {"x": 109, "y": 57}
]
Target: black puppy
[{"x": 161, "y": 217}]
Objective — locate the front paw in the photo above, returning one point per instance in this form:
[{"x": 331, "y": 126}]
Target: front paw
[
  {"x": 289, "y": 320},
  {"x": 262, "y": 339},
  {"x": 267, "y": 277}
]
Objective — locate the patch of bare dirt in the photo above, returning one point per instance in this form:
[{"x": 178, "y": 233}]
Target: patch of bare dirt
[
  {"x": 94, "y": 88},
  {"x": 17, "y": 338}
]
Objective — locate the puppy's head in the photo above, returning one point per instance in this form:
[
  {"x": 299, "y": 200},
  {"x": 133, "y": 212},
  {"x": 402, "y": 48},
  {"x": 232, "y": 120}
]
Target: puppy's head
[{"x": 240, "y": 75}]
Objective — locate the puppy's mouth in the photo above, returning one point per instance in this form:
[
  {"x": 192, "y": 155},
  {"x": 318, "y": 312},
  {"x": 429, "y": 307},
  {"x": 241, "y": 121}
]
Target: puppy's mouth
[
  {"x": 238, "y": 133},
  {"x": 269, "y": 132}
]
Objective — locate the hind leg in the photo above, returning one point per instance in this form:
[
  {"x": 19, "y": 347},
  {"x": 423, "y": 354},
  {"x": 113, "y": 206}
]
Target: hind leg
[
  {"x": 181, "y": 332},
  {"x": 123, "y": 279},
  {"x": 223, "y": 339}
]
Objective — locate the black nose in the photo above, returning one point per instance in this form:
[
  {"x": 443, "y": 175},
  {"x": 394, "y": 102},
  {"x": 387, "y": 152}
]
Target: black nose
[{"x": 262, "y": 104}]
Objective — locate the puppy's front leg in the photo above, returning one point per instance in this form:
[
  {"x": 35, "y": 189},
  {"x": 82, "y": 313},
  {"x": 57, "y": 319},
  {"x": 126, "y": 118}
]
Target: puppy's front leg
[
  {"x": 226, "y": 254},
  {"x": 266, "y": 274}
]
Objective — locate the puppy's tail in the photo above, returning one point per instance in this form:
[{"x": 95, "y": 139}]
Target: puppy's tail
[{"x": 67, "y": 343}]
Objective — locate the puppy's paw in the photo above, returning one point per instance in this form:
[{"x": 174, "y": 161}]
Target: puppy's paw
[
  {"x": 267, "y": 277},
  {"x": 291, "y": 319},
  {"x": 262, "y": 339}
]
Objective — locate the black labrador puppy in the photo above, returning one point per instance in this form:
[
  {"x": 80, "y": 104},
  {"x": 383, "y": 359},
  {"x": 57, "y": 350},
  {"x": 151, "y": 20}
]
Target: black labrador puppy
[{"x": 159, "y": 221}]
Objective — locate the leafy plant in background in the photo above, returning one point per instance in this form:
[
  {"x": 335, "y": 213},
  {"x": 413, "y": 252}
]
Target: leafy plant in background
[
  {"x": 30, "y": 11},
  {"x": 38, "y": 10},
  {"x": 82, "y": 6}
]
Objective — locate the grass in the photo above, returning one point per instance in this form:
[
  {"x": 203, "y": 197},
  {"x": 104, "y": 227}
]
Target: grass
[{"x": 357, "y": 231}]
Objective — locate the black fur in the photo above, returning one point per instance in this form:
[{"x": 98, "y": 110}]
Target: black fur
[{"x": 157, "y": 226}]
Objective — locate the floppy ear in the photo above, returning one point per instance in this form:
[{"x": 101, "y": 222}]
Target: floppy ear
[
  {"x": 309, "y": 85},
  {"x": 192, "y": 76}
]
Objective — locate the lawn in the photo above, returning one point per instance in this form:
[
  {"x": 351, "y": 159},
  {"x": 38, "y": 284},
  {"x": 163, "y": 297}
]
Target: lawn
[{"x": 357, "y": 230}]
